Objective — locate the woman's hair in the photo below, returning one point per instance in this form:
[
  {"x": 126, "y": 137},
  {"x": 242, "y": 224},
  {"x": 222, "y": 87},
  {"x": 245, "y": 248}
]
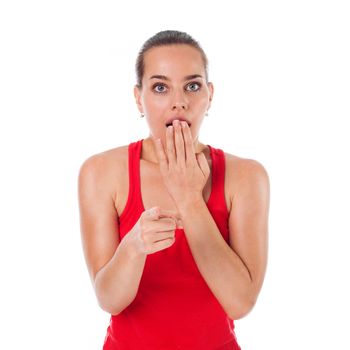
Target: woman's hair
[{"x": 163, "y": 38}]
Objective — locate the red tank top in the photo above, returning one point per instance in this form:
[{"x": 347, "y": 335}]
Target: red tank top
[{"x": 174, "y": 307}]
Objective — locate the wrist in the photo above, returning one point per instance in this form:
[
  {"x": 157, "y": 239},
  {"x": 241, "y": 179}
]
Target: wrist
[
  {"x": 131, "y": 247},
  {"x": 192, "y": 202}
]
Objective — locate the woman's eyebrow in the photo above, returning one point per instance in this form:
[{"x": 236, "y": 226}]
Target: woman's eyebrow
[{"x": 187, "y": 77}]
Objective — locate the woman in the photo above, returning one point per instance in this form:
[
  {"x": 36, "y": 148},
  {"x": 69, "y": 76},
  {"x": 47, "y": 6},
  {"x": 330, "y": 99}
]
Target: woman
[{"x": 174, "y": 231}]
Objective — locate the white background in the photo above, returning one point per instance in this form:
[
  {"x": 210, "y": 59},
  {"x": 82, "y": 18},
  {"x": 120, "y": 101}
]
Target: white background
[{"x": 281, "y": 76}]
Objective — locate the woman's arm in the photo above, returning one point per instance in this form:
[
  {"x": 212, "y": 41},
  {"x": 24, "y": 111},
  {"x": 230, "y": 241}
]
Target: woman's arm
[
  {"x": 117, "y": 283},
  {"x": 115, "y": 267},
  {"x": 233, "y": 272}
]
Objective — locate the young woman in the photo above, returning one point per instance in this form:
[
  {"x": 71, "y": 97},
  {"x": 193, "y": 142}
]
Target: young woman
[{"x": 174, "y": 231}]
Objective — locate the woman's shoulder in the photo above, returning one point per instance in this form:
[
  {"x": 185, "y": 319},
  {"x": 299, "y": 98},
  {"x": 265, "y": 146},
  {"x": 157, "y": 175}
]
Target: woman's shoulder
[
  {"x": 113, "y": 154},
  {"x": 236, "y": 160},
  {"x": 105, "y": 170},
  {"x": 105, "y": 165},
  {"x": 241, "y": 169},
  {"x": 110, "y": 158}
]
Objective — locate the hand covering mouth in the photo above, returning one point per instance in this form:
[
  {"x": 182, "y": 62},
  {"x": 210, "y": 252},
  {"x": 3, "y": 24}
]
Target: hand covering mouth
[{"x": 170, "y": 122}]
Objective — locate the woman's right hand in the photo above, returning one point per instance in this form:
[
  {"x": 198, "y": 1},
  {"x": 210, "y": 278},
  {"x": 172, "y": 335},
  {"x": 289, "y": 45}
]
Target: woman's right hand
[{"x": 155, "y": 230}]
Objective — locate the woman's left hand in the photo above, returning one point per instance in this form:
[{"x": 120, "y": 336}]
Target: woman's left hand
[{"x": 184, "y": 172}]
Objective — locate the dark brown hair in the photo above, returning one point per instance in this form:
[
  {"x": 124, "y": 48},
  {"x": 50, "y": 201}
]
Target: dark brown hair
[{"x": 163, "y": 38}]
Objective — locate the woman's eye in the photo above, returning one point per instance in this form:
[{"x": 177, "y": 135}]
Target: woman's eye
[
  {"x": 192, "y": 86},
  {"x": 162, "y": 88}
]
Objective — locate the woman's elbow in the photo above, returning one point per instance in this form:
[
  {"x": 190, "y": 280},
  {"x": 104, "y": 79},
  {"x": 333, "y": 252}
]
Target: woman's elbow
[
  {"x": 107, "y": 307},
  {"x": 242, "y": 310}
]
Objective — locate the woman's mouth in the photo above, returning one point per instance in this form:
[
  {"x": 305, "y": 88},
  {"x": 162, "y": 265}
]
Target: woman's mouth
[{"x": 168, "y": 124}]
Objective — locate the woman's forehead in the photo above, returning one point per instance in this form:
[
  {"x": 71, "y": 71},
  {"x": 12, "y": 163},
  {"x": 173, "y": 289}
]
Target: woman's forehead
[{"x": 171, "y": 59}]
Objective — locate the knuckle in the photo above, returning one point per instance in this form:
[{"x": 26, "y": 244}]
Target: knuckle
[
  {"x": 144, "y": 230},
  {"x": 142, "y": 223}
]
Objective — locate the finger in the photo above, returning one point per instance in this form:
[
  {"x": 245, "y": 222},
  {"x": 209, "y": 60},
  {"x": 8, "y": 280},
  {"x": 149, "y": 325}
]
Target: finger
[
  {"x": 179, "y": 223},
  {"x": 158, "y": 212},
  {"x": 153, "y": 213},
  {"x": 165, "y": 224},
  {"x": 190, "y": 152},
  {"x": 162, "y": 158},
  {"x": 203, "y": 164},
  {"x": 179, "y": 144},
  {"x": 163, "y": 213},
  {"x": 170, "y": 145},
  {"x": 175, "y": 215}
]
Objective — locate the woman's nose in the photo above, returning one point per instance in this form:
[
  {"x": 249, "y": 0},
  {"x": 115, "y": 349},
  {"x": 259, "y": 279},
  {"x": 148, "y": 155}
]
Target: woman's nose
[
  {"x": 179, "y": 101},
  {"x": 179, "y": 105}
]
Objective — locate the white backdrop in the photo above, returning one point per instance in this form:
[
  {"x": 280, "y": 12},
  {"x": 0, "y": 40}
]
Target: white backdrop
[{"x": 281, "y": 76}]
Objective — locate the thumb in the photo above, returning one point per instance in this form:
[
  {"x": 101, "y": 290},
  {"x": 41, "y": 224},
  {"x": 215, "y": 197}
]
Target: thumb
[
  {"x": 172, "y": 214},
  {"x": 203, "y": 163},
  {"x": 156, "y": 212},
  {"x": 179, "y": 223}
]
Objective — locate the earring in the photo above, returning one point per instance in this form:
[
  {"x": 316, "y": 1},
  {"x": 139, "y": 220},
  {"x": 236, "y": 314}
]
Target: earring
[
  {"x": 207, "y": 113},
  {"x": 142, "y": 115}
]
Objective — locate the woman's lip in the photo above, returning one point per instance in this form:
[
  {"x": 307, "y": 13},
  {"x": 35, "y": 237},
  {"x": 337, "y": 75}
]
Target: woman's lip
[
  {"x": 179, "y": 118},
  {"x": 172, "y": 123}
]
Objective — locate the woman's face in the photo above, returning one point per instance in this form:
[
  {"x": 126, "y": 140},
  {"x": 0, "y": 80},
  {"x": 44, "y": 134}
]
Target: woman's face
[{"x": 173, "y": 87}]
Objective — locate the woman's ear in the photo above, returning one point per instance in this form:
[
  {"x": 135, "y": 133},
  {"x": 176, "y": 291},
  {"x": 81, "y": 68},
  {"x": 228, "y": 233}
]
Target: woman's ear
[
  {"x": 211, "y": 92},
  {"x": 137, "y": 94}
]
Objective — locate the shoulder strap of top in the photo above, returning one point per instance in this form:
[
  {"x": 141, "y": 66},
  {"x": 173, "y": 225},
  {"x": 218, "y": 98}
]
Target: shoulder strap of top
[
  {"x": 129, "y": 213},
  {"x": 134, "y": 150},
  {"x": 218, "y": 177}
]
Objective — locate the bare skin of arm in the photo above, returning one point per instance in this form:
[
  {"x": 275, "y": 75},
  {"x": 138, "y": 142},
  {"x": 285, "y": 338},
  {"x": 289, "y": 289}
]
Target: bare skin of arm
[
  {"x": 115, "y": 271},
  {"x": 235, "y": 271},
  {"x": 115, "y": 267}
]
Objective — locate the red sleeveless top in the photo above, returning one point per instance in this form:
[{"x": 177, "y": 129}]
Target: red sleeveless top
[{"x": 174, "y": 307}]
